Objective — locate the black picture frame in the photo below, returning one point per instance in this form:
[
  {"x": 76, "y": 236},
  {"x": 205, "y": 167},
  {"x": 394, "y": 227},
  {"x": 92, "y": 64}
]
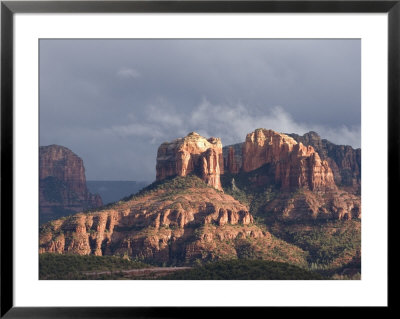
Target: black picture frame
[{"x": 9, "y": 8}]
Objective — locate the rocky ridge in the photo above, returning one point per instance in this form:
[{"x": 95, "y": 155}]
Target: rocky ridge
[
  {"x": 344, "y": 160},
  {"x": 307, "y": 205},
  {"x": 304, "y": 184},
  {"x": 196, "y": 222},
  {"x": 186, "y": 216}
]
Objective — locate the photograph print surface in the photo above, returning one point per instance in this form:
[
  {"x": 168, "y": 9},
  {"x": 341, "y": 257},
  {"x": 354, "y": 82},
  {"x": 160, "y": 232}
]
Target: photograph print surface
[{"x": 200, "y": 159}]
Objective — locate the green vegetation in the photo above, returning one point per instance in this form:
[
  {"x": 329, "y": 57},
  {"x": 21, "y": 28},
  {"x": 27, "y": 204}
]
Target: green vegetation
[
  {"x": 67, "y": 267},
  {"x": 245, "y": 270},
  {"x": 296, "y": 250},
  {"x": 172, "y": 186},
  {"x": 330, "y": 244},
  {"x": 176, "y": 184},
  {"x": 57, "y": 213},
  {"x": 245, "y": 249},
  {"x": 50, "y": 226},
  {"x": 243, "y": 187}
]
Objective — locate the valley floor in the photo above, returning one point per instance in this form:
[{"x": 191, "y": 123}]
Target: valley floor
[
  {"x": 74, "y": 267},
  {"x": 152, "y": 272}
]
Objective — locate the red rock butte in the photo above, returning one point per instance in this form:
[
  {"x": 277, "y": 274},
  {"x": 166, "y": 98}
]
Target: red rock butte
[
  {"x": 60, "y": 163},
  {"x": 191, "y": 154},
  {"x": 296, "y": 165},
  {"x": 197, "y": 222}
]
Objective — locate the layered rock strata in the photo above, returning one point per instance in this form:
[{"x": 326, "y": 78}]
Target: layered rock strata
[
  {"x": 307, "y": 205},
  {"x": 198, "y": 223},
  {"x": 191, "y": 154},
  {"x": 344, "y": 160},
  {"x": 295, "y": 165}
]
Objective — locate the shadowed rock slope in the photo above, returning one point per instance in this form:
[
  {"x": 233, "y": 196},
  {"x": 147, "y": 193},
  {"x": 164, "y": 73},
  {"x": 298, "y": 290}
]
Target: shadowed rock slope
[
  {"x": 344, "y": 160},
  {"x": 62, "y": 184}
]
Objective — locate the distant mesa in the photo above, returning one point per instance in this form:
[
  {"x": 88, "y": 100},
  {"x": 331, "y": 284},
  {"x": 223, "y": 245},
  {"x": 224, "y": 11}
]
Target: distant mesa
[{"x": 62, "y": 183}]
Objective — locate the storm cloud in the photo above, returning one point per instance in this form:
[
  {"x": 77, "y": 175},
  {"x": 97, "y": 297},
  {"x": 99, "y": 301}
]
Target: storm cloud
[{"x": 113, "y": 102}]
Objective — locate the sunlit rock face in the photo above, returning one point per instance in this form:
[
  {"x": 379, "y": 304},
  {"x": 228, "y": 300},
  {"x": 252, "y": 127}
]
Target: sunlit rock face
[
  {"x": 191, "y": 154},
  {"x": 295, "y": 165},
  {"x": 188, "y": 225}
]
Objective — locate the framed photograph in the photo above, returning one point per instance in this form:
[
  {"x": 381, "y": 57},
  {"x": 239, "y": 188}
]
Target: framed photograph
[{"x": 160, "y": 155}]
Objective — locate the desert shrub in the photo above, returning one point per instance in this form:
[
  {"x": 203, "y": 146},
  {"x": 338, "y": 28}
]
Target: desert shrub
[
  {"x": 245, "y": 270},
  {"x": 245, "y": 250},
  {"x": 325, "y": 241},
  {"x": 69, "y": 266},
  {"x": 172, "y": 186},
  {"x": 241, "y": 187}
]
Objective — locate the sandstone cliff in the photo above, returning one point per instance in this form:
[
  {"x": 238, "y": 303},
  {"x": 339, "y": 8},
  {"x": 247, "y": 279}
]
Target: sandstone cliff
[
  {"x": 185, "y": 216},
  {"x": 232, "y": 158},
  {"x": 180, "y": 220},
  {"x": 344, "y": 160},
  {"x": 295, "y": 165},
  {"x": 62, "y": 183},
  {"x": 307, "y": 205},
  {"x": 191, "y": 154}
]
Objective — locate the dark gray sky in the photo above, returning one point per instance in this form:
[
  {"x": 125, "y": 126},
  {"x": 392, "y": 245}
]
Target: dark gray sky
[{"x": 113, "y": 102}]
